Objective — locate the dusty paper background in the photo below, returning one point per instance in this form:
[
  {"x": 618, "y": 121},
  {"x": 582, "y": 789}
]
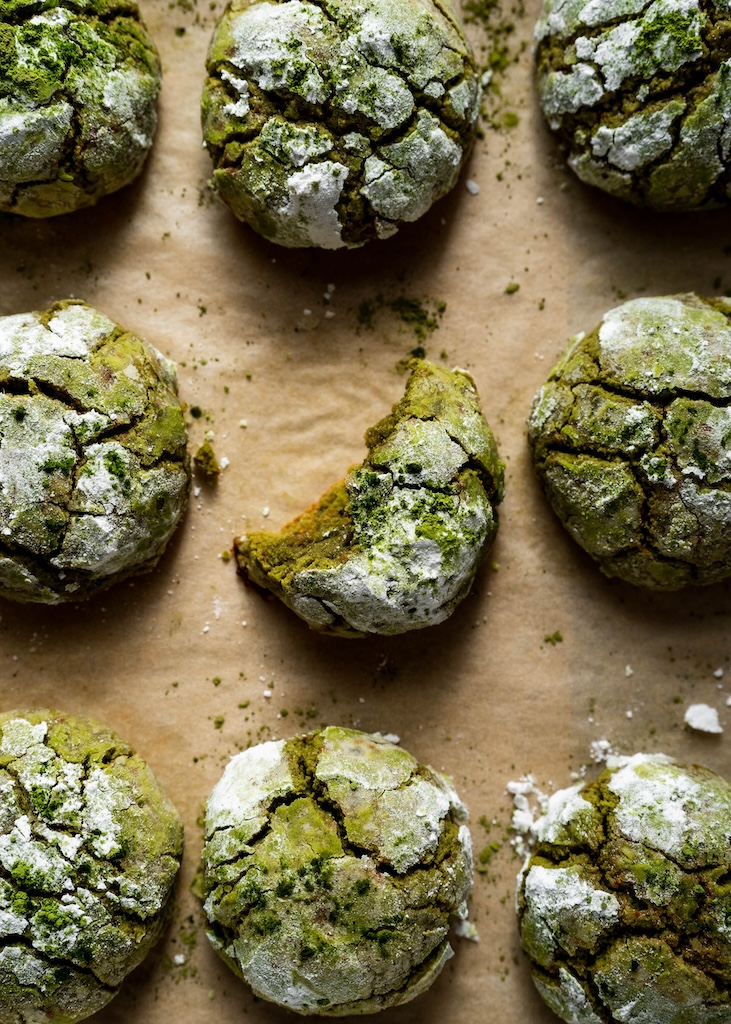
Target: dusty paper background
[{"x": 484, "y": 696}]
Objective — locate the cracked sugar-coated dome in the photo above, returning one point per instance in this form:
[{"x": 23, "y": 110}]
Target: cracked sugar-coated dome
[
  {"x": 624, "y": 904},
  {"x": 333, "y": 123},
  {"x": 333, "y": 865},
  {"x": 396, "y": 545},
  {"x": 94, "y": 468},
  {"x": 631, "y": 439},
  {"x": 89, "y": 850},
  {"x": 640, "y": 93}
]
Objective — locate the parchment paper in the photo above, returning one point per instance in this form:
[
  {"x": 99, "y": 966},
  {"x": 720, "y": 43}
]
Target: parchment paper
[{"x": 178, "y": 662}]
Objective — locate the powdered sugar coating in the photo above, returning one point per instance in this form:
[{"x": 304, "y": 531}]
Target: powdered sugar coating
[
  {"x": 331, "y": 880},
  {"x": 680, "y": 813},
  {"x": 624, "y": 913},
  {"x": 397, "y": 70},
  {"x": 93, "y": 463},
  {"x": 77, "y": 110},
  {"x": 566, "y": 812},
  {"x": 89, "y": 849},
  {"x": 565, "y": 910},
  {"x": 567, "y": 998}
]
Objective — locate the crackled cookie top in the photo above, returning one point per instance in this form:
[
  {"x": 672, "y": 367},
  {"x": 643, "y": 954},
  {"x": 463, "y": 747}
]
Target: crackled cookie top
[
  {"x": 78, "y": 85},
  {"x": 333, "y": 863},
  {"x": 331, "y": 122},
  {"x": 89, "y": 849},
  {"x": 640, "y": 91},
  {"x": 396, "y": 545},
  {"x": 93, "y": 463},
  {"x": 630, "y": 439},
  {"x": 624, "y": 904}
]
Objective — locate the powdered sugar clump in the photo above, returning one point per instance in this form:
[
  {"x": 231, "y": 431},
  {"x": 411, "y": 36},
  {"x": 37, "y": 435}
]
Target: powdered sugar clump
[
  {"x": 526, "y": 812},
  {"x": 702, "y": 718}
]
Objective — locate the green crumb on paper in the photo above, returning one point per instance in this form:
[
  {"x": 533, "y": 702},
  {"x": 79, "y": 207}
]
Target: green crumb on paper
[
  {"x": 487, "y": 853},
  {"x": 366, "y": 312},
  {"x": 417, "y": 317},
  {"x": 206, "y": 462},
  {"x": 420, "y": 317}
]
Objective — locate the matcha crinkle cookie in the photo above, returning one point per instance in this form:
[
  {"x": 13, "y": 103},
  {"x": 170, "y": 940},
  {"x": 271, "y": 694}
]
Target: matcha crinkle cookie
[
  {"x": 89, "y": 850},
  {"x": 333, "y": 864},
  {"x": 331, "y": 123},
  {"x": 625, "y": 902},
  {"x": 631, "y": 441},
  {"x": 640, "y": 93},
  {"x": 93, "y": 460},
  {"x": 78, "y": 86},
  {"x": 396, "y": 545}
]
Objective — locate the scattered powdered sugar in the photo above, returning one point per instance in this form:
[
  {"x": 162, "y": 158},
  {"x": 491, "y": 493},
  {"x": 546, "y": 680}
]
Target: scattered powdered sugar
[
  {"x": 466, "y": 930},
  {"x": 562, "y": 808},
  {"x": 600, "y": 750},
  {"x": 537, "y": 813},
  {"x": 526, "y": 812}
]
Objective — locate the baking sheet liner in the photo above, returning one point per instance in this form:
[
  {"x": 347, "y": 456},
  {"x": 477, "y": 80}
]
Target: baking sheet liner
[{"x": 180, "y": 662}]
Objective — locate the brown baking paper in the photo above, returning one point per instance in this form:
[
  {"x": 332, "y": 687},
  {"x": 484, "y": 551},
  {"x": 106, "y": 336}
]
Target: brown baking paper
[{"x": 180, "y": 662}]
